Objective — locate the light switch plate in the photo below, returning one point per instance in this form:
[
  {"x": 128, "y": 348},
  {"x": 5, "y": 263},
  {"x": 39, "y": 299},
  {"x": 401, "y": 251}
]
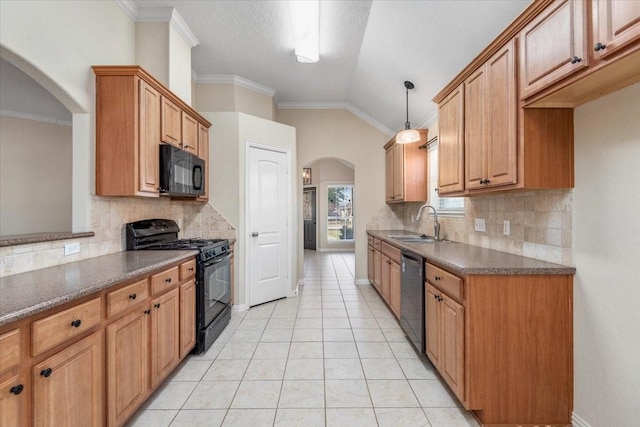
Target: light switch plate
[
  {"x": 506, "y": 227},
  {"x": 479, "y": 225},
  {"x": 72, "y": 248}
]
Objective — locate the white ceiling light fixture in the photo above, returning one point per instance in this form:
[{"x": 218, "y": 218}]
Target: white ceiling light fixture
[
  {"x": 305, "y": 21},
  {"x": 408, "y": 135}
]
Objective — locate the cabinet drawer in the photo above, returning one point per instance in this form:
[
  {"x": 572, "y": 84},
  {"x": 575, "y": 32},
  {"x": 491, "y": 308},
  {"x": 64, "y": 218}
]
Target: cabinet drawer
[
  {"x": 118, "y": 301},
  {"x": 391, "y": 251},
  {"x": 187, "y": 269},
  {"x": 163, "y": 281},
  {"x": 59, "y": 327},
  {"x": 445, "y": 281},
  {"x": 10, "y": 354},
  {"x": 377, "y": 243}
]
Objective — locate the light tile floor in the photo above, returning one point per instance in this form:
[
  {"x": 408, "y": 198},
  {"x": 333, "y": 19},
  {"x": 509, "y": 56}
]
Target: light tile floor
[{"x": 333, "y": 356}]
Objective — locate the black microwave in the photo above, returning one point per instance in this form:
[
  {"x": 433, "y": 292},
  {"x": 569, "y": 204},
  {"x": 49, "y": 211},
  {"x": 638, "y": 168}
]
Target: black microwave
[{"x": 181, "y": 173}]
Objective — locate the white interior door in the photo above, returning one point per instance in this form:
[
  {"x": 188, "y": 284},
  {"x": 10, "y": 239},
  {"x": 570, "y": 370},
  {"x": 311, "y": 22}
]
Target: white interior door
[{"x": 267, "y": 225}]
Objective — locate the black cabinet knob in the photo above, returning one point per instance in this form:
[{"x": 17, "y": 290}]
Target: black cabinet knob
[
  {"x": 599, "y": 47},
  {"x": 16, "y": 389},
  {"x": 438, "y": 278},
  {"x": 156, "y": 305},
  {"x": 46, "y": 372},
  {"x": 76, "y": 323},
  {"x": 190, "y": 268},
  {"x": 168, "y": 280},
  {"x": 133, "y": 296},
  {"x": 435, "y": 297},
  {"x": 147, "y": 312},
  {"x": 575, "y": 60}
]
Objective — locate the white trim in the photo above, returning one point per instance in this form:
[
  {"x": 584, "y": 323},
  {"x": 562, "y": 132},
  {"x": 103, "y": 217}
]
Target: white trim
[
  {"x": 337, "y": 106},
  {"x": 35, "y": 117},
  {"x": 362, "y": 282},
  {"x": 332, "y": 249},
  {"x": 232, "y": 79},
  {"x": 159, "y": 14},
  {"x": 194, "y": 76},
  {"x": 578, "y": 422},
  {"x": 294, "y": 293},
  {"x": 239, "y": 307},
  {"x": 429, "y": 120}
]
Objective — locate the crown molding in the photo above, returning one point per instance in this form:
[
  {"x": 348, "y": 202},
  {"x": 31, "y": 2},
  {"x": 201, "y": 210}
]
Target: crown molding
[
  {"x": 231, "y": 79},
  {"x": 35, "y": 117},
  {"x": 428, "y": 120},
  {"x": 159, "y": 14},
  {"x": 337, "y": 106}
]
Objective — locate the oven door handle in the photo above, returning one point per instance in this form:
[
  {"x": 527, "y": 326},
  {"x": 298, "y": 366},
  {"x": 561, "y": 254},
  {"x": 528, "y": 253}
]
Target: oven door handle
[{"x": 217, "y": 260}]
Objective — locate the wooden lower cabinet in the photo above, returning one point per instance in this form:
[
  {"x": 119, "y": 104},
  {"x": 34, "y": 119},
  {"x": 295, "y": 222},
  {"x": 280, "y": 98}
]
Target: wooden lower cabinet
[
  {"x": 383, "y": 271},
  {"x": 384, "y": 279},
  {"x": 14, "y": 395},
  {"x": 394, "y": 288},
  {"x": 187, "y": 317},
  {"x": 377, "y": 269},
  {"x": 370, "y": 255},
  {"x": 68, "y": 387},
  {"x": 165, "y": 335},
  {"x": 127, "y": 365}
]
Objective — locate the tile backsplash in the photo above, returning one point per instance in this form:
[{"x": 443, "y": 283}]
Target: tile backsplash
[
  {"x": 540, "y": 222},
  {"x": 108, "y": 217}
]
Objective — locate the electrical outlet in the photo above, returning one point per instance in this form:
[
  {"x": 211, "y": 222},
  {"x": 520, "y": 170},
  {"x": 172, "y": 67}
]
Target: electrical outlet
[
  {"x": 72, "y": 248},
  {"x": 479, "y": 226},
  {"x": 506, "y": 227}
]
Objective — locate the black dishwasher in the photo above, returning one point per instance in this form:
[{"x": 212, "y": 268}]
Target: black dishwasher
[{"x": 412, "y": 298}]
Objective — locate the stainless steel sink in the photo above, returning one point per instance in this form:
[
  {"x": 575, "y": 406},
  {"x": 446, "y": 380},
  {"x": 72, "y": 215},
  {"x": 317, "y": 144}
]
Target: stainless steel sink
[{"x": 417, "y": 238}]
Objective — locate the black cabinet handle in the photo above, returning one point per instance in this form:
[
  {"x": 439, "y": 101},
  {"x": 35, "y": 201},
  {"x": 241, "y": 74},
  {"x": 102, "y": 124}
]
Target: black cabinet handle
[
  {"x": 575, "y": 60},
  {"x": 438, "y": 278},
  {"x": 76, "y": 323},
  {"x": 190, "y": 268},
  {"x": 46, "y": 372},
  {"x": 156, "y": 305},
  {"x": 16, "y": 389},
  {"x": 168, "y": 280},
  {"x": 599, "y": 46},
  {"x": 147, "y": 312},
  {"x": 133, "y": 296},
  {"x": 435, "y": 297}
]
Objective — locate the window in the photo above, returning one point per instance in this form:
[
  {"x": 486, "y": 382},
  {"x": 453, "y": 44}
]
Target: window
[
  {"x": 453, "y": 206},
  {"x": 340, "y": 213}
]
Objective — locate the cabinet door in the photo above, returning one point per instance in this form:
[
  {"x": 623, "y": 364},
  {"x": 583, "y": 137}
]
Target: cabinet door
[
  {"x": 616, "y": 25},
  {"x": 384, "y": 282},
  {"x": 171, "y": 123},
  {"x": 475, "y": 132},
  {"x": 370, "y": 263},
  {"x": 189, "y": 134},
  {"x": 203, "y": 153},
  {"x": 398, "y": 172},
  {"x": 67, "y": 387},
  {"x": 432, "y": 327},
  {"x": 394, "y": 288},
  {"x": 165, "y": 335},
  {"x": 13, "y": 402},
  {"x": 127, "y": 365},
  {"x": 377, "y": 268},
  {"x": 553, "y": 46},
  {"x": 149, "y": 138},
  {"x": 451, "y": 143},
  {"x": 502, "y": 113},
  {"x": 187, "y": 317},
  {"x": 388, "y": 162},
  {"x": 452, "y": 349}
]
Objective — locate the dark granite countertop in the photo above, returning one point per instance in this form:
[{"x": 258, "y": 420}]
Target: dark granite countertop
[
  {"x": 24, "y": 239},
  {"x": 25, "y": 294},
  {"x": 464, "y": 260}
]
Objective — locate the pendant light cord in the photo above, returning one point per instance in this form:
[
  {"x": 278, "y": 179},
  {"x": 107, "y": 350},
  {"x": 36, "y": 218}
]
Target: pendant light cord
[{"x": 406, "y": 124}]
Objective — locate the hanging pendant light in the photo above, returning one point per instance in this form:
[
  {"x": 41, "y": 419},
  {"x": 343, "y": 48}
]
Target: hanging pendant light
[{"x": 408, "y": 135}]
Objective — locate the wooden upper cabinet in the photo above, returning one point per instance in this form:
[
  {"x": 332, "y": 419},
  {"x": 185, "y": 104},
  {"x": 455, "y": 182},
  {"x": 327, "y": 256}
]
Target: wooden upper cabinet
[
  {"x": 553, "y": 46},
  {"x": 149, "y": 137},
  {"x": 451, "y": 143},
  {"x": 616, "y": 24},
  {"x": 171, "y": 123},
  {"x": 475, "y": 133},
  {"x": 406, "y": 170},
  {"x": 189, "y": 134}
]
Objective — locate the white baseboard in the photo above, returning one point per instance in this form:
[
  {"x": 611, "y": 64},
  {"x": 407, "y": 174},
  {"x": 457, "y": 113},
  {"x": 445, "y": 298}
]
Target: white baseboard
[
  {"x": 578, "y": 422},
  {"x": 239, "y": 307},
  {"x": 335, "y": 249},
  {"x": 294, "y": 293},
  {"x": 362, "y": 282}
]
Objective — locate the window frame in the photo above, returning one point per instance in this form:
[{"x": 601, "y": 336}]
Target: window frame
[
  {"x": 327, "y": 217},
  {"x": 434, "y": 199}
]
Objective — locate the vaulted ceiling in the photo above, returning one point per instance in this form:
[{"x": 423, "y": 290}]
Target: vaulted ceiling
[{"x": 367, "y": 50}]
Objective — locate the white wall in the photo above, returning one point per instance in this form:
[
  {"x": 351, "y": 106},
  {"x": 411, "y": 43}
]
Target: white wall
[
  {"x": 229, "y": 135},
  {"x": 606, "y": 229},
  {"x": 42, "y": 202},
  {"x": 179, "y": 65},
  {"x": 230, "y": 97},
  {"x": 338, "y": 133},
  {"x": 152, "y": 53}
]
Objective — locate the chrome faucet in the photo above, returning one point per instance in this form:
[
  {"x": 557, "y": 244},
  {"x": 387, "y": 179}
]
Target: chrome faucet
[{"x": 436, "y": 224}]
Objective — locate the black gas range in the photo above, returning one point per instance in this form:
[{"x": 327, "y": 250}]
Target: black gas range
[{"x": 213, "y": 274}]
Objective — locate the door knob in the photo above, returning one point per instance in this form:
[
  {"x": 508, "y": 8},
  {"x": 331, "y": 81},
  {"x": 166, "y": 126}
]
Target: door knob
[{"x": 254, "y": 234}]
